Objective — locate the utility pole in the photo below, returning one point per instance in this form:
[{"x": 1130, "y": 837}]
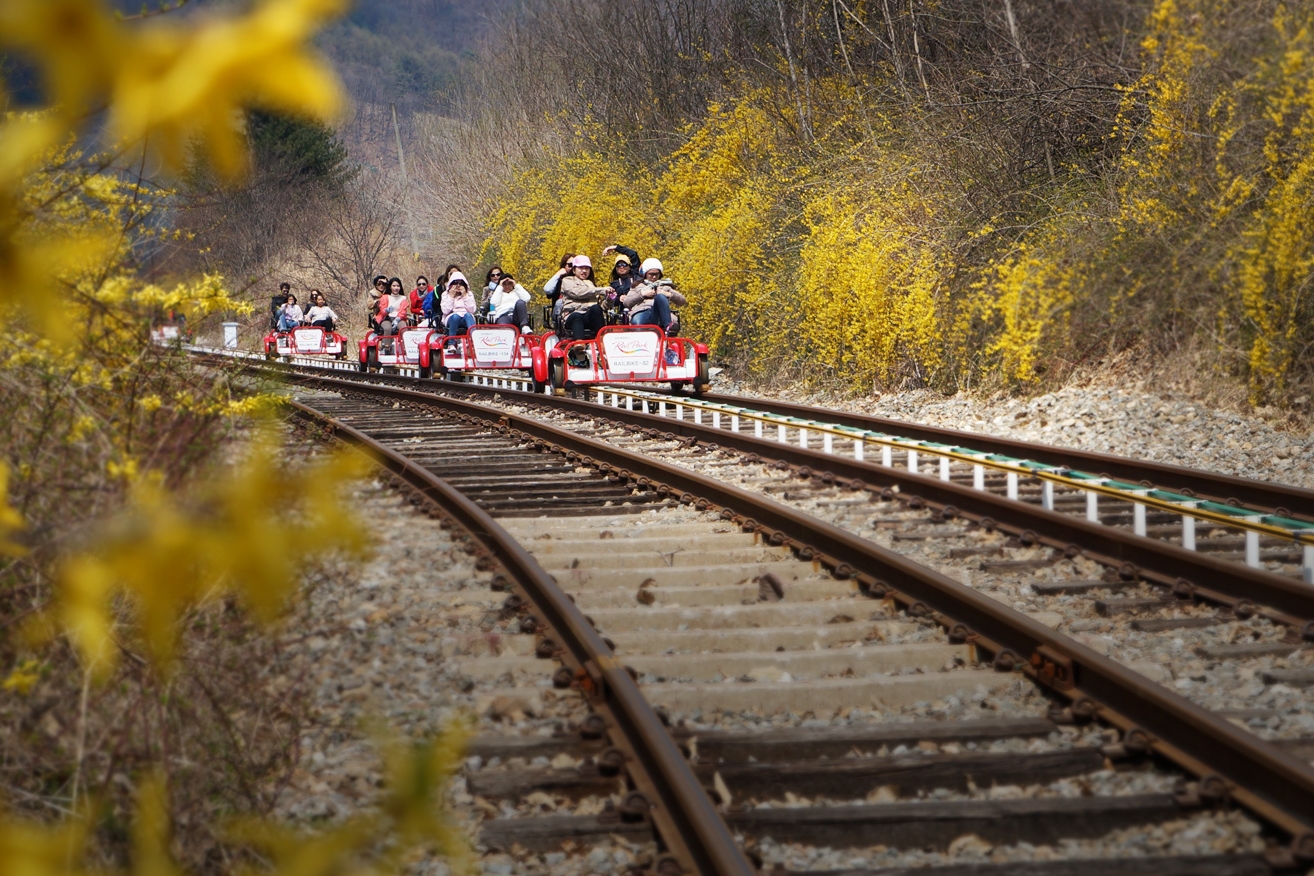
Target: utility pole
[{"x": 406, "y": 185}]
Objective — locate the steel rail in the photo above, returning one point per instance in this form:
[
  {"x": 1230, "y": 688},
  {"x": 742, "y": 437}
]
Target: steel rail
[
  {"x": 1271, "y": 497},
  {"x": 1276, "y": 786},
  {"x": 681, "y": 811},
  {"x": 1242, "y": 587}
]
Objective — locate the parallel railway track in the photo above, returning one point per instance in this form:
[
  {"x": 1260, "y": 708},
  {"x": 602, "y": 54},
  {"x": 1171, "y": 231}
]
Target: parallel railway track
[{"x": 870, "y": 594}]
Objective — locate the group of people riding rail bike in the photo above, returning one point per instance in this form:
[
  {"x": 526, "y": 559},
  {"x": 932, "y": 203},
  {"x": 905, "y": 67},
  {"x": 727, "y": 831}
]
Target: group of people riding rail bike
[
  {"x": 285, "y": 313},
  {"x": 635, "y": 296}
]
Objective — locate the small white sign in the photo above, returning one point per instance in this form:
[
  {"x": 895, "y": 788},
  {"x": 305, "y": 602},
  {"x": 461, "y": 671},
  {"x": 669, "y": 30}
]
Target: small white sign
[
  {"x": 494, "y": 344},
  {"x": 308, "y": 340},
  {"x": 631, "y": 352},
  {"x": 411, "y": 341}
]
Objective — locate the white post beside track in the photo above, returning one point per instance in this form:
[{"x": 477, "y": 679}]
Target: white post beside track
[
  {"x": 1188, "y": 532},
  {"x": 757, "y": 428},
  {"x": 698, "y": 415},
  {"x": 912, "y": 461},
  {"x": 781, "y": 436},
  {"x": 803, "y": 438},
  {"x": 734, "y": 423},
  {"x": 629, "y": 402},
  {"x": 828, "y": 442},
  {"x": 716, "y": 419},
  {"x": 1093, "y": 506},
  {"x": 679, "y": 412},
  {"x": 887, "y": 456},
  {"x": 1138, "y": 518},
  {"x": 1307, "y": 572},
  {"x": 978, "y": 477},
  {"x": 858, "y": 449},
  {"x": 1011, "y": 480},
  {"x": 1047, "y": 495},
  {"x": 1252, "y": 549},
  {"x": 944, "y": 468},
  {"x": 661, "y": 408}
]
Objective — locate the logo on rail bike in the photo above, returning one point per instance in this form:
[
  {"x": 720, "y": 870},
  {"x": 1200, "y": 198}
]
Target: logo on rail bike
[
  {"x": 308, "y": 339},
  {"x": 633, "y": 352},
  {"x": 493, "y": 346}
]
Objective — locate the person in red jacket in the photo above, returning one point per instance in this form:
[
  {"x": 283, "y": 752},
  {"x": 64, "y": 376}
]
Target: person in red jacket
[{"x": 417, "y": 296}]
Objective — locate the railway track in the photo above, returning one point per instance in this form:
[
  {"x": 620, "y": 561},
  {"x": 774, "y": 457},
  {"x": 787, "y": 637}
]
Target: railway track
[{"x": 731, "y": 610}]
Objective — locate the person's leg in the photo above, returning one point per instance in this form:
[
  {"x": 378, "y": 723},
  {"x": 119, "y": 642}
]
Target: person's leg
[
  {"x": 576, "y": 324},
  {"x": 643, "y": 317},
  {"x": 520, "y": 315},
  {"x": 661, "y": 311},
  {"x": 596, "y": 320}
]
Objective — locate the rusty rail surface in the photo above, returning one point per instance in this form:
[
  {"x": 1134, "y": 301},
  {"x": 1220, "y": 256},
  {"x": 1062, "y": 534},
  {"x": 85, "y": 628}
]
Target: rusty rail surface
[
  {"x": 1190, "y": 573},
  {"x": 681, "y": 811},
  {"x": 1233, "y": 762}
]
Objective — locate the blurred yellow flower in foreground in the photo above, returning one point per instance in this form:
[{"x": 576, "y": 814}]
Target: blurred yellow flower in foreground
[{"x": 248, "y": 535}]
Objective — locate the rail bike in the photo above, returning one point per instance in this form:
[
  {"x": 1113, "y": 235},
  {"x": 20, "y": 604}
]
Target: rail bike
[
  {"x": 627, "y": 354},
  {"x": 306, "y": 340},
  {"x": 494, "y": 347},
  {"x": 411, "y": 346}
]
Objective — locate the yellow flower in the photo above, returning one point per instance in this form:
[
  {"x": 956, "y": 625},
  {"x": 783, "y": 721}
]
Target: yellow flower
[
  {"x": 75, "y": 43},
  {"x": 23, "y": 678},
  {"x": 179, "y": 82},
  {"x": 10, "y": 520}
]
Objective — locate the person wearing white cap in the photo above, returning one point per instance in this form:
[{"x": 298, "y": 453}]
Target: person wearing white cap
[
  {"x": 649, "y": 302},
  {"x": 581, "y": 314}
]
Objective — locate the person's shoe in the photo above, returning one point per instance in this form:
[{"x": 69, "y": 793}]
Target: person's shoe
[
  {"x": 526, "y": 330},
  {"x": 449, "y": 348}
]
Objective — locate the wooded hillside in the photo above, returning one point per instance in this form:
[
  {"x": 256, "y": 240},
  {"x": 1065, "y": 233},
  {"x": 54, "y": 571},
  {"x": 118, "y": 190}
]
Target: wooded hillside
[{"x": 950, "y": 193}]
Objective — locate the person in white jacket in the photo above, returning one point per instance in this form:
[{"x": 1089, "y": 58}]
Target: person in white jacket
[{"x": 509, "y": 304}]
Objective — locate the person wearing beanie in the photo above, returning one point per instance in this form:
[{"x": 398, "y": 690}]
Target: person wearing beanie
[
  {"x": 581, "y": 314},
  {"x": 649, "y": 302},
  {"x": 458, "y": 305},
  {"x": 508, "y": 304}
]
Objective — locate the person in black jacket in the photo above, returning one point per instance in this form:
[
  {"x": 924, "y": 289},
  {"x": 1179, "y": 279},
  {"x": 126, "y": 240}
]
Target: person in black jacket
[
  {"x": 623, "y": 277},
  {"x": 276, "y": 303}
]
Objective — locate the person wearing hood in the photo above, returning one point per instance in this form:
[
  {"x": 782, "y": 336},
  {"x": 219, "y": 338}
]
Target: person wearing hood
[
  {"x": 458, "y": 305},
  {"x": 581, "y": 314},
  {"x": 649, "y": 302},
  {"x": 508, "y": 304}
]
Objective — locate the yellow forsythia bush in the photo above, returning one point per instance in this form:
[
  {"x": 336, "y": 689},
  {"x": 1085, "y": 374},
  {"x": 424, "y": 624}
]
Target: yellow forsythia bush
[{"x": 107, "y": 541}]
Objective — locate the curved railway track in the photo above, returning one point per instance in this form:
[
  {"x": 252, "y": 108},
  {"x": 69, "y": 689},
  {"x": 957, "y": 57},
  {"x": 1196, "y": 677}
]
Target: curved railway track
[{"x": 780, "y": 597}]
